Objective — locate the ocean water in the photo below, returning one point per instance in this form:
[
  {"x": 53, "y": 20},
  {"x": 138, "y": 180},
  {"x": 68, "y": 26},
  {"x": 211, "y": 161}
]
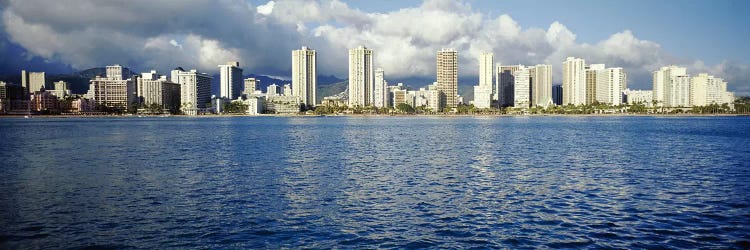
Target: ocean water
[{"x": 375, "y": 182}]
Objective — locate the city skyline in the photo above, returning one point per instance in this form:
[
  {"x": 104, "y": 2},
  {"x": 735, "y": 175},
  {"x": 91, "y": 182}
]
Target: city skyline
[{"x": 486, "y": 27}]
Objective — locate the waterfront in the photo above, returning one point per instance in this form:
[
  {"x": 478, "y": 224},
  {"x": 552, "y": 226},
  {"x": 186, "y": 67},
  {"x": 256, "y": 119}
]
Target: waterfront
[{"x": 353, "y": 182}]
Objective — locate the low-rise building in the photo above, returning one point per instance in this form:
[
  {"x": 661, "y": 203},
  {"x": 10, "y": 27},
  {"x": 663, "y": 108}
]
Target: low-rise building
[{"x": 283, "y": 104}]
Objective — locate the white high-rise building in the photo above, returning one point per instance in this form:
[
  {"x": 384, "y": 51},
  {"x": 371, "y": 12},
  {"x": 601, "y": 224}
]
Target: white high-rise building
[
  {"x": 483, "y": 93},
  {"x": 153, "y": 88},
  {"x": 272, "y": 90},
  {"x": 304, "y": 75},
  {"x": 117, "y": 72},
  {"x": 541, "y": 85},
  {"x": 230, "y": 80},
  {"x": 663, "y": 80},
  {"x": 251, "y": 84},
  {"x": 32, "y": 81},
  {"x": 361, "y": 77},
  {"x": 380, "y": 93},
  {"x": 447, "y": 77},
  {"x": 574, "y": 81},
  {"x": 614, "y": 83},
  {"x": 522, "y": 88},
  {"x": 288, "y": 90},
  {"x": 595, "y": 74},
  {"x": 195, "y": 90},
  {"x": 706, "y": 89},
  {"x": 679, "y": 94}
]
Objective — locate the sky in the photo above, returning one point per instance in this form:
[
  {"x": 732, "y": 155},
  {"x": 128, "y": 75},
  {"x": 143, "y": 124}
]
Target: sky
[{"x": 710, "y": 36}]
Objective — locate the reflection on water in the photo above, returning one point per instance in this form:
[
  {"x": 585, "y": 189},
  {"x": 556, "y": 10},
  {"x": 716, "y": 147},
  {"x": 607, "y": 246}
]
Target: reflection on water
[{"x": 390, "y": 182}]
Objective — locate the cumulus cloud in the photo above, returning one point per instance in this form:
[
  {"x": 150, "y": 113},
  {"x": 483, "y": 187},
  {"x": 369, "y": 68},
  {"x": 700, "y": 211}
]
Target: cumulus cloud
[{"x": 205, "y": 33}]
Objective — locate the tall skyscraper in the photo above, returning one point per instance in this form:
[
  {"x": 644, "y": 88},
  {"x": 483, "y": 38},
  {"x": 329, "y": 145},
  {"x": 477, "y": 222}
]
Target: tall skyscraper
[
  {"x": 230, "y": 80},
  {"x": 592, "y": 71},
  {"x": 361, "y": 77},
  {"x": 557, "y": 94},
  {"x": 304, "y": 75},
  {"x": 522, "y": 88},
  {"x": 32, "y": 81},
  {"x": 574, "y": 81},
  {"x": 611, "y": 85},
  {"x": 380, "y": 98},
  {"x": 663, "y": 80},
  {"x": 541, "y": 85},
  {"x": 117, "y": 72},
  {"x": 504, "y": 84},
  {"x": 195, "y": 90},
  {"x": 113, "y": 91},
  {"x": 680, "y": 92},
  {"x": 251, "y": 84},
  {"x": 447, "y": 77},
  {"x": 483, "y": 93}
]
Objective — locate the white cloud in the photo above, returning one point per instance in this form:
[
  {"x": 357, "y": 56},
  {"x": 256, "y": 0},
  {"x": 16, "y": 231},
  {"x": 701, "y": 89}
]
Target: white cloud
[{"x": 266, "y": 9}]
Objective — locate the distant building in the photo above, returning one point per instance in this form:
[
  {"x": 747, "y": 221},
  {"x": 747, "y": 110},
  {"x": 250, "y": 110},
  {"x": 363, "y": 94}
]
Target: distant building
[
  {"x": 10, "y": 96},
  {"x": 707, "y": 89},
  {"x": 361, "y": 77},
  {"x": 44, "y": 101},
  {"x": 230, "y": 80},
  {"x": 117, "y": 72},
  {"x": 644, "y": 97},
  {"x": 195, "y": 90},
  {"x": 522, "y": 88},
  {"x": 288, "y": 90},
  {"x": 32, "y": 81},
  {"x": 574, "y": 81},
  {"x": 304, "y": 75},
  {"x": 663, "y": 83},
  {"x": 541, "y": 85},
  {"x": 380, "y": 94},
  {"x": 679, "y": 95},
  {"x": 283, "y": 104},
  {"x": 447, "y": 77},
  {"x": 483, "y": 93},
  {"x": 504, "y": 84},
  {"x": 557, "y": 93},
  {"x": 272, "y": 90},
  {"x": 113, "y": 92},
  {"x": 251, "y": 84},
  {"x": 255, "y": 104},
  {"x": 61, "y": 90},
  {"x": 593, "y": 72},
  {"x": 156, "y": 89}
]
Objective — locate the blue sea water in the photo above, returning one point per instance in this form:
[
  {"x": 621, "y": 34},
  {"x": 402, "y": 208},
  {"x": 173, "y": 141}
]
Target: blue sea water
[{"x": 375, "y": 182}]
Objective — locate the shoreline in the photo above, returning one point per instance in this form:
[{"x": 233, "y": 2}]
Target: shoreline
[{"x": 377, "y": 115}]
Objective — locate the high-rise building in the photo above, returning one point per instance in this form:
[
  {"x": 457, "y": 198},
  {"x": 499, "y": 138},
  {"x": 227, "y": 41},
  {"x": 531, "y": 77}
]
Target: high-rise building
[
  {"x": 304, "y": 75},
  {"x": 557, "y": 94},
  {"x": 155, "y": 89},
  {"x": 61, "y": 90},
  {"x": 522, "y": 88},
  {"x": 272, "y": 90},
  {"x": 541, "y": 85},
  {"x": 117, "y": 72},
  {"x": 574, "y": 81},
  {"x": 361, "y": 77},
  {"x": 380, "y": 94},
  {"x": 483, "y": 93},
  {"x": 592, "y": 73},
  {"x": 113, "y": 93},
  {"x": 195, "y": 90},
  {"x": 613, "y": 83},
  {"x": 32, "y": 81},
  {"x": 251, "y": 84},
  {"x": 287, "y": 90},
  {"x": 679, "y": 95},
  {"x": 706, "y": 89},
  {"x": 230, "y": 80},
  {"x": 663, "y": 81},
  {"x": 504, "y": 84},
  {"x": 447, "y": 77}
]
